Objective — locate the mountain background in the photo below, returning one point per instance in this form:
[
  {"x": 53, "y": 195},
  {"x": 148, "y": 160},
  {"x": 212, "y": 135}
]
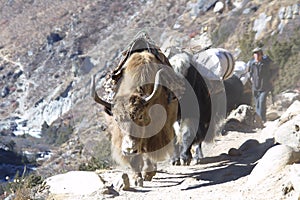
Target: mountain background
[{"x": 50, "y": 49}]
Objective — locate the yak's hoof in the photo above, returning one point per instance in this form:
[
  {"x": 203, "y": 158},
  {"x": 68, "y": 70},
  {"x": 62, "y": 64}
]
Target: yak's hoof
[
  {"x": 195, "y": 161},
  {"x": 139, "y": 182},
  {"x": 149, "y": 175},
  {"x": 176, "y": 162},
  {"x": 126, "y": 184},
  {"x": 186, "y": 162}
]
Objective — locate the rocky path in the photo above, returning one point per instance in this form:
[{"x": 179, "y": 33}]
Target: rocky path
[
  {"x": 260, "y": 164},
  {"x": 223, "y": 174}
]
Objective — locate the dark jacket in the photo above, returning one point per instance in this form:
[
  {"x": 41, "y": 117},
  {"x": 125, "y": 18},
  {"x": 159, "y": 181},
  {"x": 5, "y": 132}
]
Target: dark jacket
[{"x": 262, "y": 74}]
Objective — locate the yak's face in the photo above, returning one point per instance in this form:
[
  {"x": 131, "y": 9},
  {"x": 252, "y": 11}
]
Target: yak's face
[
  {"x": 137, "y": 121},
  {"x": 131, "y": 117}
]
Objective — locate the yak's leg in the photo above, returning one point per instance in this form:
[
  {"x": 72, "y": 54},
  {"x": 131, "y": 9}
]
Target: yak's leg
[
  {"x": 136, "y": 164},
  {"x": 189, "y": 137},
  {"x": 186, "y": 155},
  {"x": 175, "y": 160},
  {"x": 198, "y": 154},
  {"x": 187, "y": 141},
  {"x": 150, "y": 169}
]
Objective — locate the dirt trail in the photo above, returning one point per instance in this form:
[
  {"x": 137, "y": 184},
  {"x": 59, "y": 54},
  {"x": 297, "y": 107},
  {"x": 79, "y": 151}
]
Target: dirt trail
[{"x": 222, "y": 174}]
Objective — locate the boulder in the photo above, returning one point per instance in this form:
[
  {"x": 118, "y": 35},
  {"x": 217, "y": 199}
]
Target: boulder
[
  {"x": 244, "y": 118},
  {"x": 200, "y": 42},
  {"x": 285, "y": 99},
  {"x": 296, "y": 9},
  {"x": 289, "y": 12},
  {"x": 281, "y": 102},
  {"x": 219, "y": 7},
  {"x": 272, "y": 114},
  {"x": 273, "y": 161},
  {"x": 289, "y": 133},
  {"x": 291, "y": 112},
  {"x": 5, "y": 91},
  {"x": 205, "y": 5},
  {"x": 75, "y": 183},
  {"x": 281, "y": 13},
  {"x": 295, "y": 177},
  {"x": 260, "y": 24}
]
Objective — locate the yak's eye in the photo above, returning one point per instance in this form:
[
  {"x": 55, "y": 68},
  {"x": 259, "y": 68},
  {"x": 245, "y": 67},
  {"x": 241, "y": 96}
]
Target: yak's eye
[{"x": 140, "y": 117}]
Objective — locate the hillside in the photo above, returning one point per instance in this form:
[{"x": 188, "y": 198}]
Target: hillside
[{"x": 50, "y": 49}]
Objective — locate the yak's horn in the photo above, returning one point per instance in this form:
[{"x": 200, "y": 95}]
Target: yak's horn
[
  {"x": 95, "y": 95},
  {"x": 157, "y": 89}
]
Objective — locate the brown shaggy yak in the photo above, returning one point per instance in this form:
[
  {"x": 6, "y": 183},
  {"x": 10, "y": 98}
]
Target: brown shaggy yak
[{"x": 143, "y": 110}]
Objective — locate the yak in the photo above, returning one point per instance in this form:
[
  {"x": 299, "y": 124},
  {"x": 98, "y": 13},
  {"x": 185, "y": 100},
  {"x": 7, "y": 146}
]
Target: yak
[
  {"x": 195, "y": 122},
  {"x": 217, "y": 93},
  {"x": 143, "y": 110}
]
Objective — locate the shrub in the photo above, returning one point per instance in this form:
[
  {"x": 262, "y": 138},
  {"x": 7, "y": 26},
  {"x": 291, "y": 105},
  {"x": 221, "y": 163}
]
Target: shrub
[
  {"x": 225, "y": 29},
  {"x": 57, "y": 134},
  {"x": 21, "y": 186},
  {"x": 247, "y": 44},
  {"x": 93, "y": 164}
]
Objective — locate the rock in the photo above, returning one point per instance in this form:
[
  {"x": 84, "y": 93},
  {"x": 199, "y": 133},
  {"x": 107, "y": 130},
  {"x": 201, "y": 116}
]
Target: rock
[
  {"x": 219, "y": 7},
  {"x": 17, "y": 74},
  {"x": 295, "y": 9},
  {"x": 281, "y": 102},
  {"x": 285, "y": 99},
  {"x": 295, "y": 177},
  {"x": 234, "y": 152},
  {"x": 289, "y": 133},
  {"x": 273, "y": 161},
  {"x": 281, "y": 13},
  {"x": 246, "y": 11},
  {"x": 243, "y": 118},
  {"x": 205, "y": 5},
  {"x": 189, "y": 183},
  {"x": 272, "y": 115},
  {"x": 200, "y": 42},
  {"x": 238, "y": 4},
  {"x": 75, "y": 183},
  {"x": 110, "y": 191},
  {"x": 86, "y": 67},
  {"x": 249, "y": 144},
  {"x": 172, "y": 44},
  {"x": 172, "y": 51},
  {"x": 260, "y": 24},
  {"x": 288, "y": 12},
  {"x": 292, "y": 111},
  {"x": 5, "y": 91},
  {"x": 123, "y": 183},
  {"x": 53, "y": 37}
]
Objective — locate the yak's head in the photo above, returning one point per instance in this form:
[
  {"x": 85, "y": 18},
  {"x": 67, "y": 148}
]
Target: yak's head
[{"x": 140, "y": 106}]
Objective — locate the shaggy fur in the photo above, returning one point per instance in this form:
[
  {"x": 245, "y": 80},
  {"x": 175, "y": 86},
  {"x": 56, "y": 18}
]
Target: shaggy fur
[{"x": 129, "y": 105}]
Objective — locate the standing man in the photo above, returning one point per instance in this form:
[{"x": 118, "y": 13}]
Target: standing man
[{"x": 262, "y": 73}]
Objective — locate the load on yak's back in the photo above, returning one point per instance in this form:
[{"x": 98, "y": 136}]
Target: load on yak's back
[
  {"x": 219, "y": 89},
  {"x": 215, "y": 63}
]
